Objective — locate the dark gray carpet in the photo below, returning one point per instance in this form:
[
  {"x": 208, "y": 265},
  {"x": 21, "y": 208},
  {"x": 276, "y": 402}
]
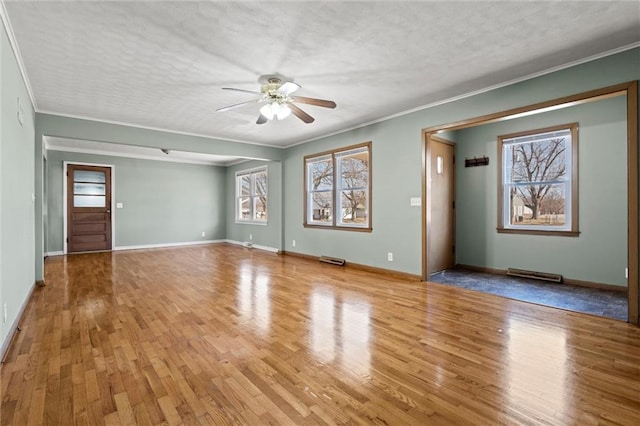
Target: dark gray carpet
[{"x": 604, "y": 303}]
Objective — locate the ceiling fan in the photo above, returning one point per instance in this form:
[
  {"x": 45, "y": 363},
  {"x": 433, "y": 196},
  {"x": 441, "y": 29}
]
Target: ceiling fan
[{"x": 279, "y": 102}]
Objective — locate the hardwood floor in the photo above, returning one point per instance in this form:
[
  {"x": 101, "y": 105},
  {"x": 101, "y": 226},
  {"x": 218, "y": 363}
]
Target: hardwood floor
[{"x": 226, "y": 335}]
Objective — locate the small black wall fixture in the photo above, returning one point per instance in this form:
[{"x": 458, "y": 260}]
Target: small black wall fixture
[{"x": 473, "y": 162}]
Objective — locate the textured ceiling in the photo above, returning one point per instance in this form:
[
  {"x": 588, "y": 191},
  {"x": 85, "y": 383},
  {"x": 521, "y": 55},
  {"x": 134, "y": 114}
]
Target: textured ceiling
[{"x": 163, "y": 64}]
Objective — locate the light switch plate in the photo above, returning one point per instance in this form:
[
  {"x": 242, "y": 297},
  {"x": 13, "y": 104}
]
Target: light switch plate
[
  {"x": 415, "y": 201},
  {"x": 119, "y": 205}
]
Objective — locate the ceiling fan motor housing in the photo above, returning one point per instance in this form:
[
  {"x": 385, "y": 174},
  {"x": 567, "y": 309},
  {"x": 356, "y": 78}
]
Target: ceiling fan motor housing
[{"x": 271, "y": 93}]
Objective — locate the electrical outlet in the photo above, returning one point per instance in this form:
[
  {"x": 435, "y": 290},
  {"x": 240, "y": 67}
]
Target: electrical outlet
[
  {"x": 203, "y": 233},
  {"x": 250, "y": 237},
  {"x": 390, "y": 257},
  {"x": 293, "y": 243},
  {"x": 4, "y": 316}
]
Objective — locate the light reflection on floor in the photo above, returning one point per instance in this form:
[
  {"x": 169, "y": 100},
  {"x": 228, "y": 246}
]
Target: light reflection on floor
[
  {"x": 253, "y": 301},
  {"x": 340, "y": 331},
  {"x": 535, "y": 362}
]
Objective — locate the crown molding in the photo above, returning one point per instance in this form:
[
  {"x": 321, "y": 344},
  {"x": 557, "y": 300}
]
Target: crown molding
[
  {"x": 477, "y": 92},
  {"x": 16, "y": 52}
]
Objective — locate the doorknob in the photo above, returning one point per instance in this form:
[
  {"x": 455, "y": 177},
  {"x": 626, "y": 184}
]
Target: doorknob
[{"x": 108, "y": 211}]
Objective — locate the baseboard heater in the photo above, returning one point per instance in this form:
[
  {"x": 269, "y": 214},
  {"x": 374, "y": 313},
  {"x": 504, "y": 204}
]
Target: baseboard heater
[
  {"x": 332, "y": 260},
  {"x": 556, "y": 278}
]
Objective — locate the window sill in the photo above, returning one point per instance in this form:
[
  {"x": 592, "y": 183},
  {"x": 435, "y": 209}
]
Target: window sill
[
  {"x": 538, "y": 232},
  {"x": 338, "y": 228},
  {"x": 252, "y": 222}
]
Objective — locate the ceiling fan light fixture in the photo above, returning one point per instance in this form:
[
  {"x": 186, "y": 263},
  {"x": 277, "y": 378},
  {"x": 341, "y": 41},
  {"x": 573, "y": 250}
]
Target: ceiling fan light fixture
[
  {"x": 278, "y": 100},
  {"x": 275, "y": 111}
]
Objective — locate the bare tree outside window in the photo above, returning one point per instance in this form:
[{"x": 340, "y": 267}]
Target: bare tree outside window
[
  {"x": 251, "y": 195},
  {"x": 354, "y": 171},
  {"x": 537, "y": 186},
  {"x": 540, "y": 165},
  {"x": 338, "y": 188},
  {"x": 260, "y": 208},
  {"x": 321, "y": 189}
]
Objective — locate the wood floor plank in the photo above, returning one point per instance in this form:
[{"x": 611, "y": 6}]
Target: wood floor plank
[
  {"x": 125, "y": 412},
  {"x": 169, "y": 410},
  {"x": 218, "y": 334}
]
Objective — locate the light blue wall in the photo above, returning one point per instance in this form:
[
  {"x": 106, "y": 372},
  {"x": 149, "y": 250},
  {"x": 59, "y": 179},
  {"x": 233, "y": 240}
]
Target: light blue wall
[
  {"x": 395, "y": 178},
  {"x": 163, "y": 202},
  {"x": 397, "y": 164},
  {"x": 599, "y": 254},
  {"x": 17, "y": 247},
  {"x": 3, "y": 333},
  {"x": 269, "y": 235}
]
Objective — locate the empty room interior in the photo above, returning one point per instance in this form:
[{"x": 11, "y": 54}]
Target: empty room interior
[{"x": 401, "y": 213}]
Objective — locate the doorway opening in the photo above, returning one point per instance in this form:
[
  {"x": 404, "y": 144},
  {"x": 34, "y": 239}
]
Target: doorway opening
[{"x": 628, "y": 90}]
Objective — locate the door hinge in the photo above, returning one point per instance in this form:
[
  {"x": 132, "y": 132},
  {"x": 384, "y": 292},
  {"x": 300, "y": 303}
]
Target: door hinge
[
  {"x": 453, "y": 247},
  {"x": 453, "y": 204},
  {"x": 67, "y": 241}
]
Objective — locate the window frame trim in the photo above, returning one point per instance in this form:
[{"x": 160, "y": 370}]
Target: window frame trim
[
  {"x": 574, "y": 230},
  {"x": 250, "y": 172},
  {"x": 305, "y": 187}
]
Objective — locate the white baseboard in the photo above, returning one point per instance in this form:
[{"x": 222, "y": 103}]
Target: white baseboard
[
  {"x": 163, "y": 245},
  {"x": 13, "y": 328},
  {"x": 185, "y": 243},
  {"x": 248, "y": 244}
]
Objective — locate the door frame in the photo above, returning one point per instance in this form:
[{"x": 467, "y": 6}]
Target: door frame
[
  {"x": 64, "y": 200},
  {"x": 427, "y": 187},
  {"x": 628, "y": 89}
]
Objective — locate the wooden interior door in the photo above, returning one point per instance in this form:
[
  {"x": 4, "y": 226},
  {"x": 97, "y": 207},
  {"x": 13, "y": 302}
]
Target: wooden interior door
[
  {"x": 88, "y": 208},
  {"x": 441, "y": 254}
]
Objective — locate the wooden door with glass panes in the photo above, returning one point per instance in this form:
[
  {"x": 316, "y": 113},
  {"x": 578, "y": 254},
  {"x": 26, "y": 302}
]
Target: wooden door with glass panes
[{"x": 88, "y": 208}]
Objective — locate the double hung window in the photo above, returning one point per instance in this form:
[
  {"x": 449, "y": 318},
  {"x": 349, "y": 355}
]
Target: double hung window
[
  {"x": 251, "y": 195},
  {"x": 538, "y": 189},
  {"x": 338, "y": 188}
]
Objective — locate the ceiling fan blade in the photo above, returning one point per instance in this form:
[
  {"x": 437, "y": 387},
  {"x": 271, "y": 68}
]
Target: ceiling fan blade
[
  {"x": 242, "y": 90},
  {"x": 262, "y": 119},
  {"x": 300, "y": 113},
  {"x": 314, "y": 101},
  {"x": 227, "y": 108},
  {"x": 288, "y": 88}
]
